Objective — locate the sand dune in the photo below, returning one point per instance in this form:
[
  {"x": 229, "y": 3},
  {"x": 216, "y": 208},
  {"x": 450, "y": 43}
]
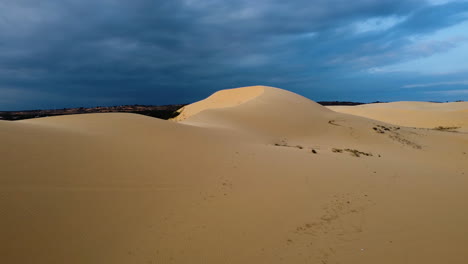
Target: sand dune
[
  {"x": 221, "y": 99},
  {"x": 234, "y": 179},
  {"x": 413, "y": 114}
]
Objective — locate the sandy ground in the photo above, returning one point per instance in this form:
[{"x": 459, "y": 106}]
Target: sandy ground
[
  {"x": 413, "y": 114},
  {"x": 236, "y": 180}
]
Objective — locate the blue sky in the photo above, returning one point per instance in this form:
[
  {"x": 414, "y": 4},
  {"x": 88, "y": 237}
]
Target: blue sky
[{"x": 71, "y": 53}]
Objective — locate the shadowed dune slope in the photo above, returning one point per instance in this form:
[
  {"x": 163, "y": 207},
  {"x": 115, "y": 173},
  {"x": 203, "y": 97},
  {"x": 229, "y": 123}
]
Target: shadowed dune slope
[{"x": 249, "y": 175}]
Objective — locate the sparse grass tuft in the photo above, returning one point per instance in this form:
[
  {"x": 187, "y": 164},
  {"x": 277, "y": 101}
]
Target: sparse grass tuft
[
  {"x": 445, "y": 128},
  {"x": 284, "y": 143},
  {"x": 357, "y": 153},
  {"x": 333, "y": 122},
  {"x": 353, "y": 152}
]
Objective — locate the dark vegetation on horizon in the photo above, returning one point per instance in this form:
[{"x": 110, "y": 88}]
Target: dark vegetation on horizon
[
  {"x": 158, "y": 111},
  {"x": 331, "y": 103}
]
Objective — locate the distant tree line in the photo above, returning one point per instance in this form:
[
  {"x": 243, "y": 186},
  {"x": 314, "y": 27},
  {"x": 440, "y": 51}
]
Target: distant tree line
[{"x": 161, "y": 112}]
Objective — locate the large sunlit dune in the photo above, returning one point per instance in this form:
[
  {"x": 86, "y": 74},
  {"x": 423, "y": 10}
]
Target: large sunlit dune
[
  {"x": 221, "y": 99},
  {"x": 414, "y": 114},
  {"x": 248, "y": 175}
]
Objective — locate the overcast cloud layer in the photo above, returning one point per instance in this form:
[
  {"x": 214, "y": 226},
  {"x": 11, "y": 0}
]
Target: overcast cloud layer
[{"x": 64, "y": 53}]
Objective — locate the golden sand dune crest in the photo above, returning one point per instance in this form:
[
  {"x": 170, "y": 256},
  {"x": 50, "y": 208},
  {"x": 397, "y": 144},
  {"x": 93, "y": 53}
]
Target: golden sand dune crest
[{"x": 221, "y": 99}]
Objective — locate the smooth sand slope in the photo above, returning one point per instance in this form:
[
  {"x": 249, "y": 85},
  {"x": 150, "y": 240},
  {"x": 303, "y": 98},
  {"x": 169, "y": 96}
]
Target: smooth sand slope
[
  {"x": 413, "y": 114},
  {"x": 235, "y": 180}
]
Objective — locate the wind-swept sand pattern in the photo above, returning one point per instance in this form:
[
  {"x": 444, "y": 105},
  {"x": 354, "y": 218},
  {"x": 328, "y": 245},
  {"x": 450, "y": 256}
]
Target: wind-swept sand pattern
[{"x": 261, "y": 176}]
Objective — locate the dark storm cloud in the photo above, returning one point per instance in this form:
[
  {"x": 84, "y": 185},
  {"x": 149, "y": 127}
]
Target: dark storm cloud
[{"x": 82, "y": 52}]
